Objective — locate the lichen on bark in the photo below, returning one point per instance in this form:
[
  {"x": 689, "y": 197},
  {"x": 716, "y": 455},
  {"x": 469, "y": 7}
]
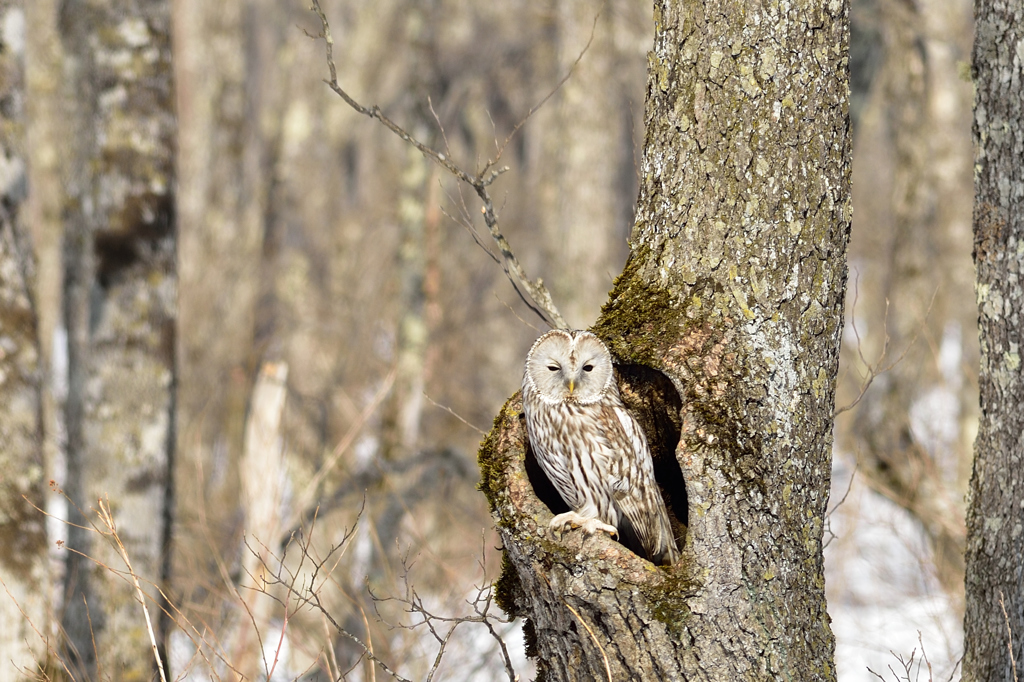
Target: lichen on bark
[{"x": 994, "y": 618}]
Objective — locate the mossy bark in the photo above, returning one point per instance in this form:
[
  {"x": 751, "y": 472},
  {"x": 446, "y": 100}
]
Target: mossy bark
[
  {"x": 994, "y": 618},
  {"x": 734, "y": 290}
]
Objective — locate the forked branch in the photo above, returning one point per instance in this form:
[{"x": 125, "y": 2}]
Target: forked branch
[{"x": 533, "y": 292}]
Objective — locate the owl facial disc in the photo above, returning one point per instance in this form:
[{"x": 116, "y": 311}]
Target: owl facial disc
[{"x": 569, "y": 366}]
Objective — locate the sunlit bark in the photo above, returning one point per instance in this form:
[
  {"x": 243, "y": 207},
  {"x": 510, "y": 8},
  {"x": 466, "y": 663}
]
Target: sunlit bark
[
  {"x": 734, "y": 290},
  {"x": 24, "y": 569},
  {"x": 994, "y": 619}
]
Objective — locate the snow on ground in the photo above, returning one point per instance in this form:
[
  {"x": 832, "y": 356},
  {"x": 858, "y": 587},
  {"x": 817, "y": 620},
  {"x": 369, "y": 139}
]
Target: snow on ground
[{"x": 882, "y": 594}]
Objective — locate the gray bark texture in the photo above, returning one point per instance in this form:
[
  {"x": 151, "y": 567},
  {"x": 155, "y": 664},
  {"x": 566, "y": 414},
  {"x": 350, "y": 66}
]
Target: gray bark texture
[
  {"x": 120, "y": 291},
  {"x": 733, "y": 291},
  {"x": 994, "y": 618},
  {"x": 23, "y": 557}
]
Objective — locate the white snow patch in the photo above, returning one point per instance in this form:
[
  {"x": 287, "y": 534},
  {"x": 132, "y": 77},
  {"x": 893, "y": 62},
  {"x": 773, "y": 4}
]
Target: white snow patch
[{"x": 882, "y": 592}]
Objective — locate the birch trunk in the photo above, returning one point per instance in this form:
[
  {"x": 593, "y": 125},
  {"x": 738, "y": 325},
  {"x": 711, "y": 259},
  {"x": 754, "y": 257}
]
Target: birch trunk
[
  {"x": 263, "y": 491},
  {"x": 119, "y": 304},
  {"x": 24, "y": 569}
]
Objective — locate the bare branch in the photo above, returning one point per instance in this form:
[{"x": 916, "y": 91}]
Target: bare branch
[
  {"x": 558, "y": 85},
  {"x": 108, "y": 521},
  {"x": 454, "y": 414},
  {"x": 877, "y": 369},
  {"x": 540, "y": 298}
]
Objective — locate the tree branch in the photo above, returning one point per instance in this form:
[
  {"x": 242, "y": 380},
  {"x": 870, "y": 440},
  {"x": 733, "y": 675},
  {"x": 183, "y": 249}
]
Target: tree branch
[{"x": 540, "y": 300}]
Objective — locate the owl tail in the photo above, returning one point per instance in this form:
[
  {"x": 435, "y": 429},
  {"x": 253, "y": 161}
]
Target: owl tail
[
  {"x": 629, "y": 537},
  {"x": 647, "y": 533}
]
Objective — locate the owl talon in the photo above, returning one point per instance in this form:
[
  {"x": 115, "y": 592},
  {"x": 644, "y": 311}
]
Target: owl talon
[{"x": 574, "y": 520}]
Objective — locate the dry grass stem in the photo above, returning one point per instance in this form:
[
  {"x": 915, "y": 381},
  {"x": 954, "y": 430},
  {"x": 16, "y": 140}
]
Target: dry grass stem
[
  {"x": 108, "y": 520},
  {"x": 607, "y": 667}
]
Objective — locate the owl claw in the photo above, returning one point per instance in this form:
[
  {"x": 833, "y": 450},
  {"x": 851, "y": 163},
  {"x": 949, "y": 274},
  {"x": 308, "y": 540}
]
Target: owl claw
[{"x": 574, "y": 520}]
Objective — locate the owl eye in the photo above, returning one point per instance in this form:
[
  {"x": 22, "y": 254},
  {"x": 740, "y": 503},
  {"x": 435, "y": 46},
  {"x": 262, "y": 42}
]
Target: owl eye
[
  {"x": 588, "y": 368},
  {"x": 553, "y": 368}
]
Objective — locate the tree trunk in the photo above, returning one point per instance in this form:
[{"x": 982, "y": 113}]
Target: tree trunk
[
  {"x": 24, "y": 566},
  {"x": 588, "y": 143},
  {"x": 734, "y": 291},
  {"x": 222, "y": 207},
  {"x": 994, "y": 619},
  {"x": 120, "y": 298},
  {"x": 264, "y": 479}
]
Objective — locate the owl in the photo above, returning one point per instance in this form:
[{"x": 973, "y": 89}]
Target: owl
[{"x": 591, "y": 447}]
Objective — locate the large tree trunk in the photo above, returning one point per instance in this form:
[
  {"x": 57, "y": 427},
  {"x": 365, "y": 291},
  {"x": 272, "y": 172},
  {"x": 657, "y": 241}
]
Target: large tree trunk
[
  {"x": 120, "y": 298},
  {"x": 994, "y": 619},
  {"x": 734, "y": 290}
]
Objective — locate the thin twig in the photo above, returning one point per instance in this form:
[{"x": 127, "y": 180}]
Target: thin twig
[
  {"x": 108, "y": 521},
  {"x": 511, "y": 310},
  {"x": 924, "y": 655},
  {"x": 558, "y": 85},
  {"x": 45, "y": 640},
  {"x": 874, "y": 371},
  {"x": 454, "y": 414},
  {"x": 828, "y": 515},
  {"x": 607, "y": 667},
  {"x": 308, "y": 495}
]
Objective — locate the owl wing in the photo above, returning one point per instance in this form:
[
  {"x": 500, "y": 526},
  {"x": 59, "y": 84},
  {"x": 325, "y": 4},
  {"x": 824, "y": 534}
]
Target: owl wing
[{"x": 643, "y": 519}]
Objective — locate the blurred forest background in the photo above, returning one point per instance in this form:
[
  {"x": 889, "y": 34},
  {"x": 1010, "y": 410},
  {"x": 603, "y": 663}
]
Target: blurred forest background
[{"x": 234, "y": 308}]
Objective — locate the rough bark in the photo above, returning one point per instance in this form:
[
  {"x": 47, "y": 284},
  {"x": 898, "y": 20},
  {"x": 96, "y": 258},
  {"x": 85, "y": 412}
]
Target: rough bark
[
  {"x": 24, "y": 569},
  {"x": 734, "y": 290},
  {"x": 44, "y": 205},
  {"x": 994, "y": 618},
  {"x": 120, "y": 297}
]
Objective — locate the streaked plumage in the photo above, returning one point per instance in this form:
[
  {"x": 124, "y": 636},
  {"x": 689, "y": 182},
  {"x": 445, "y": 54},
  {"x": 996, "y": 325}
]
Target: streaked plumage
[{"x": 591, "y": 447}]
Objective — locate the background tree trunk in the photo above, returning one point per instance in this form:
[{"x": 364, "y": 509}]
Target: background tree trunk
[
  {"x": 588, "y": 144},
  {"x": 994, "y": 618},
  {"x": 221, "y": 210},
  {"x": 734, "y": 290},
  {"x": 23, "y": 561},
  {"x": 910, "y": 250},
  {"x": 120, "y": 308}
]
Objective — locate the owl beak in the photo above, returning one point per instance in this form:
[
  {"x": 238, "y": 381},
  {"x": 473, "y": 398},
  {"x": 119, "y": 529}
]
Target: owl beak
[{"x": 572, "y": 385}]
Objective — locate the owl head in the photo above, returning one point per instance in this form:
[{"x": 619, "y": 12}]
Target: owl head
[{"x": 570, "y": 366}]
